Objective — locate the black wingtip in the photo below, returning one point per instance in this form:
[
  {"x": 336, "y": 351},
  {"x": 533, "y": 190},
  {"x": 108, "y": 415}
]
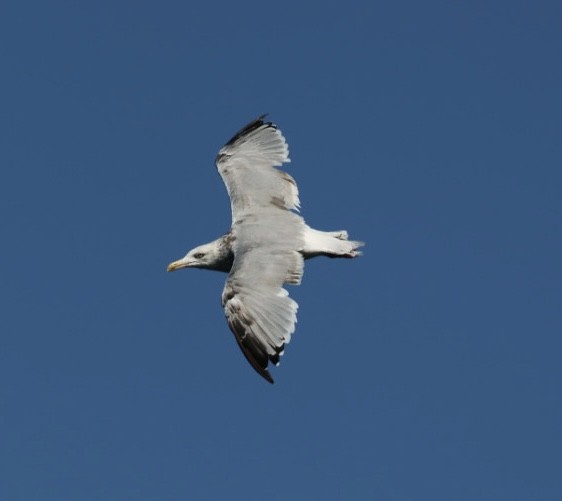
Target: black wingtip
[
  {"x": 267, "y": 376},
  {"x": 259, "y": 366},
  {"x": 254, "y": 353},
  {"x": 252, "y": 126}
]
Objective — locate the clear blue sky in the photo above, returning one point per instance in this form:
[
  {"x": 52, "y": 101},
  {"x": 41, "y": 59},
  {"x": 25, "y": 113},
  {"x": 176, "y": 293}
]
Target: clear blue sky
[{"x": 429, "y": 369}]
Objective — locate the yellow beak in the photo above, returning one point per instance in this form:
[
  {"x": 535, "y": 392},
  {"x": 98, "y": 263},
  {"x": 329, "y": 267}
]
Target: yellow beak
[{"x": 176, "y": 265}]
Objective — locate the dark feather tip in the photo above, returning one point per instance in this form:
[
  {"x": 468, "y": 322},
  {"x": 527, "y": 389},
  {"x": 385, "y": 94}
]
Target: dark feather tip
[{"x": 252, "y": 126}]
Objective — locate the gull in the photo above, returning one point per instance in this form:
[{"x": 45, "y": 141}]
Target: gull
[{"x": 266, "y": 246}]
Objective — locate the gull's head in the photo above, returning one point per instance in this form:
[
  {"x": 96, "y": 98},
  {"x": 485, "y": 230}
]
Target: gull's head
[
  {"x": 200, "y": 257},
  {"x": 213, "y": 256}
]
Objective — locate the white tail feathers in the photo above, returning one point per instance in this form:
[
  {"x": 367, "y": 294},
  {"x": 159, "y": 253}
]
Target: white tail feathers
[{"x": 329, "y": 243}]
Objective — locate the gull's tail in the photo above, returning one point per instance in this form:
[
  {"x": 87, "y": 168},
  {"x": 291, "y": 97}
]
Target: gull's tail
[{"x": 330, "y": 244}]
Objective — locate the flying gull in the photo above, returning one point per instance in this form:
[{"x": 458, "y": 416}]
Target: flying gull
[{"x": 266, "y": 245}]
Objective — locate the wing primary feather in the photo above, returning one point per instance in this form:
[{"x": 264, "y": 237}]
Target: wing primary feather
[
  {"x": 253, "y": 125},
  {"x": 252, "y": 350}
]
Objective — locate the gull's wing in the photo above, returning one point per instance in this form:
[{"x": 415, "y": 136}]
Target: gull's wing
[
  {"x": 267, "y": 236},
  {"x": 247, "y": 165},
  {"x": 258, "y": 309}
]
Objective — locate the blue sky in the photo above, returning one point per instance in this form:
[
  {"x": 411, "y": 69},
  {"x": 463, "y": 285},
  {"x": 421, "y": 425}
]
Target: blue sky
[{"x": 429, "y": 369}]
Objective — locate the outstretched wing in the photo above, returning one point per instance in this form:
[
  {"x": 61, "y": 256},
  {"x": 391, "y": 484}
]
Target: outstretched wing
[
  {"x": 247, "y": 165},
  {"x": 258, "y": 309},
  {"x": 267, "y": 236}
]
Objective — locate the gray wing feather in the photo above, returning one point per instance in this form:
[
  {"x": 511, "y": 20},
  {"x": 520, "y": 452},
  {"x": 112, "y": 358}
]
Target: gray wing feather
[{"x": 247, "y": 165}]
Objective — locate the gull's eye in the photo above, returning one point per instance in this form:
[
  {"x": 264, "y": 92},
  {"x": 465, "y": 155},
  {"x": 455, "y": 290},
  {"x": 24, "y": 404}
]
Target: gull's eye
[{"x": 198, "y": 255}]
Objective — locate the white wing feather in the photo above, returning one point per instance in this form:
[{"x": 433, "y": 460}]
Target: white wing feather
[{"x": 247, "y": 166}]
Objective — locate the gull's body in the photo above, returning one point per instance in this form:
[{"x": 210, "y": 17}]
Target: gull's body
[{"x": 266, "y": 245}]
